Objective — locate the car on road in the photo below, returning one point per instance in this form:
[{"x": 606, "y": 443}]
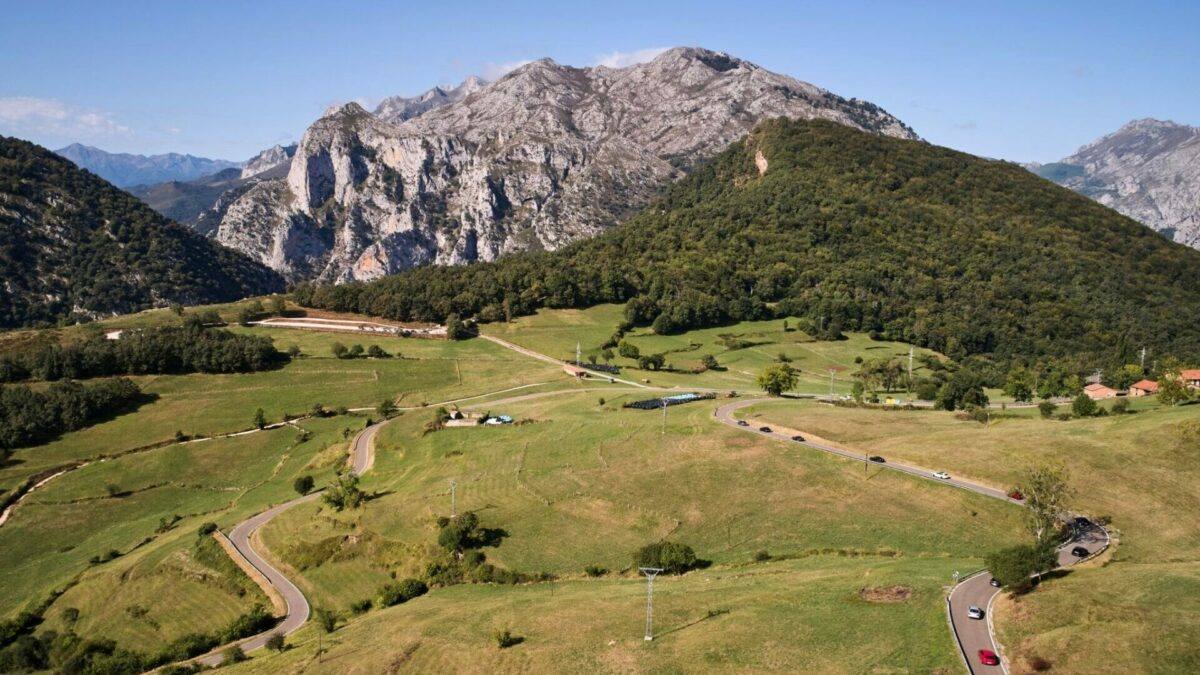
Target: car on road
[
  {"x": 765, "y": 430},
  {"x": 798, "y": 438},
  {"x": 1080, "y": 552},
  {"x": 1082, "y": 523},
  {"x": 995, "y": 582},
  {"x": 942, "y": 475},
  {"x": 1016, "y": 494},
  {"x": 877, "y": 459},
  {"x": 988, "y": 657},
  {"x": 743, "y": 423},
  {"x": 974, "y": 612}
]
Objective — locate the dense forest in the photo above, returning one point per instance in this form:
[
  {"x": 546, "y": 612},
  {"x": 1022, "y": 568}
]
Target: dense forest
[
  {"x": 188, "y": 348},
  {"x": 74, "y": 247},
  {"x": 29, "y": 417},
  {"x": 853, "y": 231}
]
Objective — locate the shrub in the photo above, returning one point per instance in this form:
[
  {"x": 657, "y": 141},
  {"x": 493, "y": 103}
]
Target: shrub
[
  {"x": 206, "y": 529},
  {"x": 1014, "y": 567},
  {"x": 386, "y": 408},
  {"x": 260, "y": 418},
  {"x": 671, "y": 557},
  {"x": 303, "y": 484},
  {"x": 1120, "y": 406},
  {"x": 401, "y": 592},
  {"x": 595, "y": 571},
  {"x": 377, "y": 352},
  {"x": 601, "y": 401},
  {"x": 1047, "y": 408},
  {"x": 361, "y": 606},
  {"x": 505, "y": 639},
  {"x": 233, "y": 654},
  {"x": 927, "y": 390},
  {"x": 762, "y": 556},
  {"x": 276, "y": 642},
  {"x": 1083, "y": 406},
  {"x": 326, "y": 619},
  {"x": 1038, "y": 664}
]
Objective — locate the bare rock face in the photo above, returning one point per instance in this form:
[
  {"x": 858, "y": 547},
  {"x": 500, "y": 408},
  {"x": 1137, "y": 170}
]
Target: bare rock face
[
  {"x": 535, "y": 160},
  {"x": 268, "y": 159},
  {"x": 1148, "y": 170}
]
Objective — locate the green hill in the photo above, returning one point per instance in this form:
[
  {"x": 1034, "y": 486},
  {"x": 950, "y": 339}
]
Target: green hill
[
  {"x": 854, "y": 231},
  {"x": 72, "y": 246}
]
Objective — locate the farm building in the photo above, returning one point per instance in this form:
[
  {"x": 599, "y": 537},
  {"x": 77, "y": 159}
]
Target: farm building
[
  {"x": 1191, "y": 377},
  {"x": 1097, "y": 391},
  {"x": 1143, "y": 388}
]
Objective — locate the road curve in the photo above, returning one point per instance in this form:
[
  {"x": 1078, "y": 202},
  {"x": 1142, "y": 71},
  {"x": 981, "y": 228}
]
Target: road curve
[
  {"x": 362, "y": 458},
  {"x": 971, "y": 634}
]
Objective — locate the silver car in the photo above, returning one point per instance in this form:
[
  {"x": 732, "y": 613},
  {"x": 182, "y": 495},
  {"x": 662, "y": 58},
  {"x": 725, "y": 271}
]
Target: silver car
[{"x": 974, "y": 612}]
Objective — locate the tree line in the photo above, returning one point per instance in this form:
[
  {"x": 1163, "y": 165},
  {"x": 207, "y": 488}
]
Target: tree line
[{"x": 29, "y": 416}]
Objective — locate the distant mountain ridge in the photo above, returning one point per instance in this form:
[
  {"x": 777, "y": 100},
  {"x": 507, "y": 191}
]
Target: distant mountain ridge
[
  {"x": 124, "y": 169},
  {"x": 544, "y": 156},
  {"x": 73, "y": 247},
  {"x": 1148, "y": 170}
]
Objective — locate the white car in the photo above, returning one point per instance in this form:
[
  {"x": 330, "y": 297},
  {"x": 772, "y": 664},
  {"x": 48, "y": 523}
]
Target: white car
[
  {"x": 942, "y": 475},
  {"x": 974, "y": 612}
]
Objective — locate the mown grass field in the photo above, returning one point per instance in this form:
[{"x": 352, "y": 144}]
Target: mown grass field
[
  {"x": 802, "y": 615},
  {"x": 157, "y": 589},
  {"x": 586, "y": 484},
  {"x": 557, "y": 332},
  {"x": 1137, "y": 610}
]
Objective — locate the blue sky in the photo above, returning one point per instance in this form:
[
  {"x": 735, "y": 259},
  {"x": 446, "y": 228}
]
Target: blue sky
[{"x": 1017, "y": 80}]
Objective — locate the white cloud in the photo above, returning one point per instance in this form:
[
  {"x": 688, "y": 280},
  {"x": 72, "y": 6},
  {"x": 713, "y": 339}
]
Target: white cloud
[
  {"x": 29, "y": 116},
  {"x": 495, "y": 71},
  {"x": 626, "y": 59}
]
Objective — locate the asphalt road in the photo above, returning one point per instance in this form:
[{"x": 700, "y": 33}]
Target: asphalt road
[
  {"x": 362, "y": 458},
  {"x": 972, "y": 634}
]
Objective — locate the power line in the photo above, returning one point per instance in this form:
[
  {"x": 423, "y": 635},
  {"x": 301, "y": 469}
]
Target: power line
[{"x": 650, "y": 573}]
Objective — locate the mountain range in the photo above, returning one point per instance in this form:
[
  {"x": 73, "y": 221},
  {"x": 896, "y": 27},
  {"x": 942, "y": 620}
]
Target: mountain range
[
  {"x": 544, "y": 156},
  {"x": 1148, "y": 170},
  {"x": 125, "y": 170}
]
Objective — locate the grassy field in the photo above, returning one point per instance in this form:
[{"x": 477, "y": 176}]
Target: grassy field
[
  {"x": 431, "y": 371},
  {"x": 1136, "y": 612},
  {"x": 557, "y": 332},
  {"x": 802, "y": 615},
  {"x": 161, "y": 586},
  {"x": 585, "y": 484}
]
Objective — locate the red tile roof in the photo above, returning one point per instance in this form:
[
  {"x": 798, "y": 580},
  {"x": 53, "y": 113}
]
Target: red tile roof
[
  {"x": 1145, "y": 385},
  {"x": 1190, "y": 374}
]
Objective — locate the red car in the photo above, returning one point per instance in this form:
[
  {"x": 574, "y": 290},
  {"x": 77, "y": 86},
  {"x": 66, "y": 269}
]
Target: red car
[
  {"x": 988, "y": 657},
  {"x": 1016, "y": 494}
]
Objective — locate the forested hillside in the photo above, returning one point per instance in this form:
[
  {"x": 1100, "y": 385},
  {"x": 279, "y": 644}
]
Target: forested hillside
[
  {"x": 854, "y": 231},
  {"x": 74, "y": 246}
]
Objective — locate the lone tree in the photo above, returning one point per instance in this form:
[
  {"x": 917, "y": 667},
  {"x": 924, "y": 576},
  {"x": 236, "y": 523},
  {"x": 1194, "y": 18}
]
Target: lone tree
[
  {"x": 386, "y": 407},
  {"x": 338, "y": 349},
  {"x": 671, "y": 557},
  {"x": 628, "y": 350},
  {"x": 344, "y": 493},
  {"x": 260, "y": 418},
  {"x": 1016, "y": 567},
  {"x": 1083, "y": 406},
  {"x": 326, "y": 619},
  {"x": 303, "y": 484},
  {"x": 777, "y": 379},
  {"x": 276, "y": 642},
  {"x": 1019, "y": 385},
  {"x": 1046, "y": 495}
]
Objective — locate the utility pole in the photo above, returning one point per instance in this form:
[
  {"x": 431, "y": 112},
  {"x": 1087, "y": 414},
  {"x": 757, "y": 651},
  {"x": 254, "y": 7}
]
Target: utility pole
[
  {"x": 910, "y": 358},
  {"x": 831, "y": 383},
  {"x": 578, "y": 355},
  {"x": 1143, "y": 361},
  {"x": 453, "y": 500},
  {"x": 664, "y": 419},
  {"x": 650, "y": 573}
]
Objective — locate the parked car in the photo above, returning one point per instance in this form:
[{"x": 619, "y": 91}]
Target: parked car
[
  {"x": 974, "y": 612},
  {"x": 942, "y": 475},
  {"x": 988, "y": 657},
  {"x": 1016, "y": 494},
  {"x": 765, "y": 430},
  {"x": 995, "y": 582},
  {"x": 798, "y": 438},
  {"x": 1080, "y": 552},
  {"x": 743, "y": 423},
  {"x": 877, "y": 459},
  {"x": 1082, "y": 523}
]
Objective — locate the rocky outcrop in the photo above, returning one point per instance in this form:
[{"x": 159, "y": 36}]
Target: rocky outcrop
[
  {"x": 541, "y": 157},
  {"x": 271, "y": 158},
  {"x": 1148, "y": 170}
]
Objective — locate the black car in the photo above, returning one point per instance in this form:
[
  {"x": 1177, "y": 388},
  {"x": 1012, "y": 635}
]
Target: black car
[
  {"x": 877, "y": 459},
  {"x": 1080, "y": 552},
  {"x": 1082, "y": 523},
  {"x": 765, "y": 430},
  {"x": 995, "y": 582},
  {"x": 743, "y": 423},
  {"x": 798, "y": 438}
]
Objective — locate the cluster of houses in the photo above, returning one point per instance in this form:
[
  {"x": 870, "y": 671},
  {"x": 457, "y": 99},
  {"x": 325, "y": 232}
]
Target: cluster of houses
[{"x": 1098, "y": 391}]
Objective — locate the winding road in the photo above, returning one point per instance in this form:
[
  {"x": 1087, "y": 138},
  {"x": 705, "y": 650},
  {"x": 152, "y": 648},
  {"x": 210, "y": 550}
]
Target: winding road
[
  {"x": 362, "y": 458},
  {"x": 976, "y": 590}
]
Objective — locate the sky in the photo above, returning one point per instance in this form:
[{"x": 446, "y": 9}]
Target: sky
[{"x": 1025, "y": 81}]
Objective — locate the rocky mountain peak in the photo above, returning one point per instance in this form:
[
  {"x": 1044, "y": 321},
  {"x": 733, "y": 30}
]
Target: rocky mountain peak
[{"x": 545, "y": 155}]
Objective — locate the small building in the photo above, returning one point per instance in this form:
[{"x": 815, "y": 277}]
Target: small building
[
  {"x": 1143, "y": 388},
  {"x": 575, "y": 371},
  {"x": 1191, "y": 377},
  {"x": 1097, "y": 391}
]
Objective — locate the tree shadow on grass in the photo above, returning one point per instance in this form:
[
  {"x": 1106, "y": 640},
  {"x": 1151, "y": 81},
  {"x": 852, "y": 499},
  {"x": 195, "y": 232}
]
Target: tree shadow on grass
[{"x": 711, "y": 614}]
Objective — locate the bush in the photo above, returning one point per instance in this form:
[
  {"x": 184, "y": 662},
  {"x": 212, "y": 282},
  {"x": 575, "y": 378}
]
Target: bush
[
  {"x": 233, "y": 654},
  {"x": 361, "y": 606},
  {"x": 1015, "y": 567},
  {"x": 762, "y": 556},
  {"x": 401, "y": 592},
  {"x": 505, "y": 639},
  {"x": 206, "y": 529},
  {"x": 326, "y": 619},
  {"x": 927, "y": 390},
  {"x": 1120, "y": 406},
  {"x": 1047, "y": 408},
  {"x": 303, "y": 484},
  {"x": 276, "y": 642},
  {"x": 671, "y": 557},
  {"x": 595, "y": 571},
  {"x": 1083, "y": 406},
  {"x": 377, "y": 352}
]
